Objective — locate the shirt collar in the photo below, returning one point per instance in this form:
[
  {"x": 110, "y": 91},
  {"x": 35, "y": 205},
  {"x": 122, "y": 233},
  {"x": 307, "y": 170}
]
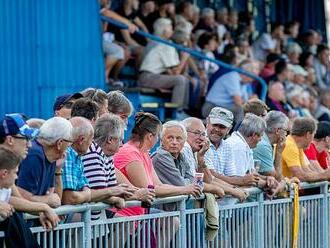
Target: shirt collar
[{"x": 239, "y": 135}]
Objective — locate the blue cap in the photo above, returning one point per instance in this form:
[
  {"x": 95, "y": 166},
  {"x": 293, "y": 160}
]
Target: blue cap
[
  {"x": 61, "y": 100},
  {"x": 13, "y": 124}
]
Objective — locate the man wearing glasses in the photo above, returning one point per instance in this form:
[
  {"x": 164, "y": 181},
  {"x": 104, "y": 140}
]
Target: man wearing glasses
[
  {"x": 16, "y": 136},
  {"x": 36, "y": 178}
]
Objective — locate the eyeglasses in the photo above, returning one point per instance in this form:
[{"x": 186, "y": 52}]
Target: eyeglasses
[
  {"x": 69, "y": 141},
  {"x": 22, "y": 138},
  {"x": 199, "y": 134},
  {"x": 287, "y": 132}
]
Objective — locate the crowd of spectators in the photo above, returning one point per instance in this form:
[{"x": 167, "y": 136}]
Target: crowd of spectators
[{"x": 78, "y": 156}]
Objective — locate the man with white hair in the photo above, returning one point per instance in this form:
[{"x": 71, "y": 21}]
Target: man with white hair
[
  {"x": 36, "y": 178},
  {"x": 161, "y": 66},
  {"x": 75, "y": 185}
]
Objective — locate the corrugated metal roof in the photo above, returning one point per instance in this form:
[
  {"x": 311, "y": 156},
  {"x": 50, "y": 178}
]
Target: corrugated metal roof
[{"x": 47, "y": 48}]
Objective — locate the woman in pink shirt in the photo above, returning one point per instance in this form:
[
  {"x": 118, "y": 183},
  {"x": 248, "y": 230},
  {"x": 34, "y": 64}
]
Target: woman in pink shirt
[{"x": 134, "y": 162}]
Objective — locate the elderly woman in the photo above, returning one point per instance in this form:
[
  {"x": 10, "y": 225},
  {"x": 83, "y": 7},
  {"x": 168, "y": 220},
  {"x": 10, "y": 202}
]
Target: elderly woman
[
  {"x": 134, "y": 162},
  {"x": 118, "y": 104}
]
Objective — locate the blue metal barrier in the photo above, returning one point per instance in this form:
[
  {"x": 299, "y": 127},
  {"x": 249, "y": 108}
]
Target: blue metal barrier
[
  {"x": 258, "y": 224},
  {"x": 194, "y": 53}
]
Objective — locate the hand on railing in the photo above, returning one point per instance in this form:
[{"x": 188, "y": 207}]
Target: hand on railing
[
  {"x": 54, "y": 200},
  {"x": 116, "y": 201},
  {"x": 193, "y": 189},
  {"x": 6, "y": 210},
  {"x": 123, "y": 190},
  {"x": 48, "y": 218},
  {"x": 144, "y": 195},
  {"x": 241, "y": 194},
  {"x": 250, "y": 179}
]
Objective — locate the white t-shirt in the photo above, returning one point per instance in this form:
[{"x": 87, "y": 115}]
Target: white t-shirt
[
  {"x": 5, "y": 194},
  {"x": 159, "y": 58}
]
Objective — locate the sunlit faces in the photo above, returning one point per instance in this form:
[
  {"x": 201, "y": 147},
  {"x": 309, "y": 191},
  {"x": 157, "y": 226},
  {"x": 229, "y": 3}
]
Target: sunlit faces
[
  {"x": 196, "y": 136},
  {"x": 173, "y": 140},
  {"x": 19, "y": 145},
  {"x": 216, "y": 132}
]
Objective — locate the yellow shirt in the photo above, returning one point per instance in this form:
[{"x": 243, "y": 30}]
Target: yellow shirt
[{"x": 292, "y": 156}]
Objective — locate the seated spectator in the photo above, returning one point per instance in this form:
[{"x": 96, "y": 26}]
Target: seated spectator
[
  {"x": 321, "y": 66},
  {"x": 35, "y": 122},
  {"x": 16, "y": 136},
  {"x": 118, "y": 104},
  {"x": 98, "y": 162},
  {"x": 36, "y": 177},
  {"x": 229, "y": 91},
  {"x": 276, "y": 99},
  {"x": 98, "y": 96},
  {"x": 293, "y": 51},
  {"x": 242, "y": 142},
  {"x": 244, "y": 50},
  {"x": 86, "y": 108},
  {"x": 291, "y": 32},
  {"x": 76, "y": 189},
  {"x": 17, "y": 233},
  {"x": 207, "y": 21},
  {"x": 322, "y": 112},
  {"x": 134, "y": 162},
  {"x": 63, "y": 105},
  {"x": 306, "y": 61},
  {"x": 308, "y": 41},
  {"x": 195, "y": 152},
  {"x": 184, "y": 16},
  {"x": 318, "y": 150},
  {"x": 269, "y": 68},
  {"x": 268, "y": 43},
  {"x": 294, "y": 161},
  {"x": 161, "y": 67},
  {"x": 146, "y": 8},
  {"x": 171, "y": 165},
  {"x": 275, "y": 134},
  {"x": 222, "y": 22}
]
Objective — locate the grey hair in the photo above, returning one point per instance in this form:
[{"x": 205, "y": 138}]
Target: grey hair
[
  {"x": 303, "y": 125},
  {"x": 54, "y": 129},
  {"x": 119, "y": 103},
  {"x": 170, "y": 124},
  {"x": 160, "y": 25},
  {"x": 108, "y": 125},
  {"x": 207, "y": 12},
  {"x": 81, "y": 127},
  {"x": 35, "y": 122},
  {"x": 276, "y": 119},
  {"x": 251, "y": 125},
  {"x": 188, "y": 122}
]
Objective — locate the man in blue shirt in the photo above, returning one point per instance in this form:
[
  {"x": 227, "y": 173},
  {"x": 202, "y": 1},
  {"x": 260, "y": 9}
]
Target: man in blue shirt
[{"x": 36, "y": 178}]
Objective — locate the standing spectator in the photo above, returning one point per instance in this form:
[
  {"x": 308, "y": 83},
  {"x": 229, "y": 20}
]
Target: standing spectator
[
  {"x": 276, "y": 132},
  {"x": 63, "y": 105},
  {"x": 318, "y": 151},
  {"x": 161, "y": 67},
  {"x": 321, "y": 66},
  {"x": 294, "y": 162},
  {"x": 268, "y": 43},
  {"x": 36, "y": 178}
]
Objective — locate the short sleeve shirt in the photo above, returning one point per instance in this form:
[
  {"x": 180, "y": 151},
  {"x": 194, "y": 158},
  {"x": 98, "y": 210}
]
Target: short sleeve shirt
[
  {"x": 221, "y": 159},
  {"x": 73, "y": 177},
  {"x": 291, "y": 156},
  {"x": 36, "y": 174},
  {"x": 322, "y": 157},
  {"x": 265, "y": 154}
]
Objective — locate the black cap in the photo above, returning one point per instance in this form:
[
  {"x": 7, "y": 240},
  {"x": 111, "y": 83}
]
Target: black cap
[{"x": 323, "y": 130}]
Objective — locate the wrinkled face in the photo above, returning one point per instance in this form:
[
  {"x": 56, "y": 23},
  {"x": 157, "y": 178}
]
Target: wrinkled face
[
  {"x": 113, "y": 144},
  {"x": 216, "y": 132},
  {"x": 87, "y": 141},
  {"x": 196, "y": 135},
  {"x": 18, "y": 144},
  {"x": 255, "y": 139},
  {"x": 173, "y": 140},
  {"x": 277, "y": 92},
  {"x": 8, "y": 177},
  {"x": 282, "y": 133}
]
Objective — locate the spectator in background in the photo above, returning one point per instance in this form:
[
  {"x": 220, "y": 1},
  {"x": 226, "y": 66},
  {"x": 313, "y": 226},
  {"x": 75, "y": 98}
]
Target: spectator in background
[
  {"x": 306, "y": 61},
  {"x": 161, "y": 67},
  {"x": 322, "y": 108},
  {"x": 275, "y": 134},
  {"x": 37, "y": 172},
  {"x": 146, "y": 8},
  {"x": 308, "y": 41},
  {"x": 222, "y": 22},
  {"x": 63, "y": 105},
  {"x": 293, "y": 51},
  {"x": 291, "y": 32},
  {"x": 184, "y": 16},
  {"x": 134, "y": 162},
  {"x": 16, "y": 136},
  {"x": 229, "y": 91},
  {"x": 269, "y": 69},
  {"x": 75, "y": 185},
  {"x": 244, "y": 50},
  {"x": 318, "y": 151},
  {"x": 276, "y": 99},
  {"x": 321, "y": 66},
  {"x": 86, "y": 108},
  {"x": 207, "y": 21},
  {"x": 98, "y": 96},
  {"x": 98, "y": 162},
  {"x": 268, "y": 43},
  {"x": 35, "y": 122},
  {"x": 294, "y": 162},
  {"x": 118, "y": 104}
]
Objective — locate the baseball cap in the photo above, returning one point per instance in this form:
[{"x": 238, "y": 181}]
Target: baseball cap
[
  {"x": 61, "y": 100},
  {"x": 221, "y": 116},
  {"x": 297, "y": 69},
  {"x": 323, "y": 130},
  {"x": 13, "y": 124}
]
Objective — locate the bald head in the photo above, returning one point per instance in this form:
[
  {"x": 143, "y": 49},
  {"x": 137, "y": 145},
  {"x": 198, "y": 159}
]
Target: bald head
[{"x": 196, "y": 134}]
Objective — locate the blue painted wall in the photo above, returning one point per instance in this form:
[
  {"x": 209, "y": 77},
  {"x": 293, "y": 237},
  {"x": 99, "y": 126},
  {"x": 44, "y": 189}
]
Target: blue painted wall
[{"x": 47, "y": 48}]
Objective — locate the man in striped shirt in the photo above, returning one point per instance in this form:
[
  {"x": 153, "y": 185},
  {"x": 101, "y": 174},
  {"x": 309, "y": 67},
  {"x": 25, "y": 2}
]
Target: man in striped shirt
[{"x": 98, "y": 165}]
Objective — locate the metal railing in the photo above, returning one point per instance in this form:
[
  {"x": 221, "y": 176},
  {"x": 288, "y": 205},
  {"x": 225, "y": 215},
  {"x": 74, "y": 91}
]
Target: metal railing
[
  {"x": 194, "y": 53},
  {"x": 259, "y": 223}
]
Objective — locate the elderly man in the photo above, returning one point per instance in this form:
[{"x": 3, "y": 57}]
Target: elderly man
[
  {"x": 294, "y": 161},
  {"x": 276, "y": 132},
  {"x": 98, "y": 164},
  {"x": 75, "y": 185},
  {"x": 170, "y": 165},
  {"x": 198, "y": 144},
  {"x": 63, "y": 104},
  {"x": 16, "y": 136},
  {"x": 161, "y": 66},
  {"x": 36, "y": 179}
]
